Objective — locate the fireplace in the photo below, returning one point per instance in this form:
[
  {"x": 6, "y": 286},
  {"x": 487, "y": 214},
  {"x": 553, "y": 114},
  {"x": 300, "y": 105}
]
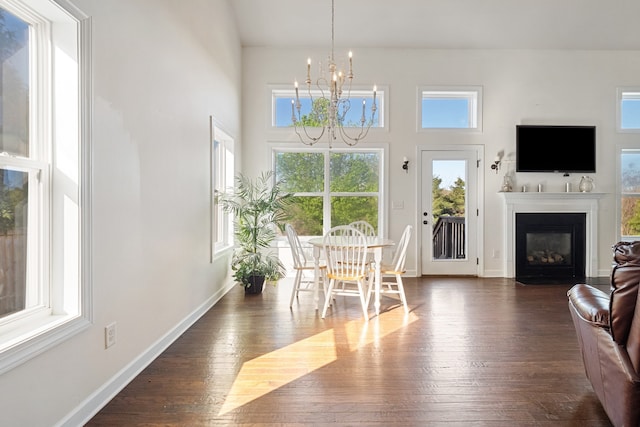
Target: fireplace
[
  {"x": 550, "y": 202},
  {"x": 550, "y": 246}
]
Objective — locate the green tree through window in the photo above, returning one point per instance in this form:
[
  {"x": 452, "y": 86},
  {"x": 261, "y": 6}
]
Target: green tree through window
[{"x": 350, "y": 190}]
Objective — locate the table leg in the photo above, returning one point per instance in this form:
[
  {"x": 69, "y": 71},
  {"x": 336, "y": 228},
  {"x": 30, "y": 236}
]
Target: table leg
[
  {"x": 316, "y": 267},
  {"x": 377, "y": 255}
]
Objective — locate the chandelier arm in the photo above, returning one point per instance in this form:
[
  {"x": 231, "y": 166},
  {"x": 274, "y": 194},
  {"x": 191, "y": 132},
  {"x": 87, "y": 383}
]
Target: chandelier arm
[{"x": 310, "y": 140}]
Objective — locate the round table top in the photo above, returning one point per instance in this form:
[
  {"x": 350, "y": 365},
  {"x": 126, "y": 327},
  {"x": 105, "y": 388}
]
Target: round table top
[{"x": 372, "y": 242}]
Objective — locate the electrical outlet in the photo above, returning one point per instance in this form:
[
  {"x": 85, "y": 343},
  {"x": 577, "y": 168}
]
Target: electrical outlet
[
  {"x": 496, "y": 253},
  {"x": 110, "y": 335}
]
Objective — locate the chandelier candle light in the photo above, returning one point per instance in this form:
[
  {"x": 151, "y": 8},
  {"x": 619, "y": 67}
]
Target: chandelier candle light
[{"x": 328, "y": 111}]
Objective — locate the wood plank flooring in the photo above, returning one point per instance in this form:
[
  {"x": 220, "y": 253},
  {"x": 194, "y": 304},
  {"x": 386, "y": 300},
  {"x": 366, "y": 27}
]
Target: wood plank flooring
[{"x": 472, "y": 352}]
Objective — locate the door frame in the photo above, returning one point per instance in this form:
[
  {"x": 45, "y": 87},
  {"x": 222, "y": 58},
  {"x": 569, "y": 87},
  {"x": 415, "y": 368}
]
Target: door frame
[{"x": 479, "y": 238}]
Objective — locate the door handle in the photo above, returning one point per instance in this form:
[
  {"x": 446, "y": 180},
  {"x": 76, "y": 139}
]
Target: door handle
[{"x": 425, "y": 222}]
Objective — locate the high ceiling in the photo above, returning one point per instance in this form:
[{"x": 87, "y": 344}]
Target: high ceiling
[{"x": 448, "y": 24}]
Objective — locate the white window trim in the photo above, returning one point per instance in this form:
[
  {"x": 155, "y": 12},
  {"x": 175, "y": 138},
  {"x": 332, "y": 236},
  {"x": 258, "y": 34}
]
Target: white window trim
[
  {"x": 69, "y": 253},
  {"x": 632, "y": 92},
  {"x": 452, "y": 92}
]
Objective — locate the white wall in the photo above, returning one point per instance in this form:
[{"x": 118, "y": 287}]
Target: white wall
[
  {"x": 520, "y": 86},
  {"x": 160, "y": 68}
]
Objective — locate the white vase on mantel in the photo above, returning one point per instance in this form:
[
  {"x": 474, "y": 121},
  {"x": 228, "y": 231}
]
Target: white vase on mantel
[{"x": 586, "y": 184}]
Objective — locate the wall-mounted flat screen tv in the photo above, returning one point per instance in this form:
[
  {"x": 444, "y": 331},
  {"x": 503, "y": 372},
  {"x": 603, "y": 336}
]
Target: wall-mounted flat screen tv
[{"x": 567, "y": 149}]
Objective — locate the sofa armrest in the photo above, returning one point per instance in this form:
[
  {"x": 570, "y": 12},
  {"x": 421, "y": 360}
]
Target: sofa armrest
[{"x": 591, "y": 304}]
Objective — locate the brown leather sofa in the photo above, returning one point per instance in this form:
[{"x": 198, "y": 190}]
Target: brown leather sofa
[{"x": 608, "y": 329}]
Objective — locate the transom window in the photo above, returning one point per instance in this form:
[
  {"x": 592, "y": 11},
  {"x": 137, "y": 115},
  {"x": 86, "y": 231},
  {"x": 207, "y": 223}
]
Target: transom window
[
  {"x": 628, "y": 109},
  {"x": 331, "y": 187},
  {"x": 450, "y": 108},
  {"x": 360, "y": 104}
]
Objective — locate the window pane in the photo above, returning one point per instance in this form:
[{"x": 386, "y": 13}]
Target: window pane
[
  {"x": 630, "y": 217},
  {"x": 300, "y": 172},
  {"x": 14, "y": 85},
  {"x": 306, "y": 215},
  {"x": 355, "y": 172},
  {"x": 345, "y": 210},
  {"x": 351, "y": 109},
  {"x": 13, "y": 240},
  {"x": 445, "y": 113},
  {"x": 630, "y": 110},
  {"x": 630, "y": 162},
  {"x": 448, "y": 205}
]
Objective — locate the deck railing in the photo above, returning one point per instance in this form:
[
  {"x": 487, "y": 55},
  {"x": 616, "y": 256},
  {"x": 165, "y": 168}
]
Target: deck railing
[{"x": 449, "y": 238}]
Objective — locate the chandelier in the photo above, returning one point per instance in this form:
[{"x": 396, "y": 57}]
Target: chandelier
[{"x": 331, "y": 104}]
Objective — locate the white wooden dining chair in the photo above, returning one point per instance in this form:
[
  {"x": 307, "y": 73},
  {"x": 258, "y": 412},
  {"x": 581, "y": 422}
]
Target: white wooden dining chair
[
  {"x": 304, "y": 280},
  {"x": 345, "y": 249},
  {"x": 393, "y": 270}
]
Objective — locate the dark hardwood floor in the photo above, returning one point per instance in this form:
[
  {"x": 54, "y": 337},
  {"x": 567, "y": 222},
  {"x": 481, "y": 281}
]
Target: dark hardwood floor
[{"x": 472, "y": 352}]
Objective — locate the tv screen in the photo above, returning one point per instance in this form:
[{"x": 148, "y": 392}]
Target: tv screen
[{"x": 568, "y": 149}]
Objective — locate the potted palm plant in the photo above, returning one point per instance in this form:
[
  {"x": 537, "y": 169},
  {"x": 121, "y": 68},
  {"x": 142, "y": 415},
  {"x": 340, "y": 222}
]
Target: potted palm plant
[{"x": 259, "y": 207}]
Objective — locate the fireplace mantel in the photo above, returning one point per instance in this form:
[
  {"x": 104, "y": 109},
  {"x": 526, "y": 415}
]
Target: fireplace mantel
[{"x": 533, "y": 202}]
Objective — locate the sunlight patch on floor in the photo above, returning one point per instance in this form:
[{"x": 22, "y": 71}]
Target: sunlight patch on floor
[{"x": 280, "y": 367}]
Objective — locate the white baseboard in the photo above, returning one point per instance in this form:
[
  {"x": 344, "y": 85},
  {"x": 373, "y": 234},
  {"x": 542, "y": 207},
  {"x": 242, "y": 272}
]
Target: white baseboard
[{"x": 96, "y": 401}]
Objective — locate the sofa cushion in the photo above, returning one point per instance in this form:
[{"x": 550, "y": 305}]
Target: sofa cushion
[{"x": 625, "y": 278}]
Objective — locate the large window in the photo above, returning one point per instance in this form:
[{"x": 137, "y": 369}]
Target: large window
[
  {"x": 222, "y": 177},
  {"x": 332, "y": 187},
  {"x": 44, "y": 291},
  {"x": 450, "y": 108}
]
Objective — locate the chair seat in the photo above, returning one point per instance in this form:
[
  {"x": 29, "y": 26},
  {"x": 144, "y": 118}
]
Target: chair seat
[
  {"x": 347, "y": 276},
  {"x": 309, "y": 265}
]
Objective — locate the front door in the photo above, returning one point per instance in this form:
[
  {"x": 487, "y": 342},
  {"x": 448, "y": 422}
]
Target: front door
[{"x": 449, "y": 215}]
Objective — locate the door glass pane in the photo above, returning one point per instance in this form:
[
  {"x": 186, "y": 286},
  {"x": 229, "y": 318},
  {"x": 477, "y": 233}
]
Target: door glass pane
[
  {"x": 14, "y": 85},
  {"x": 448, "y": 205},
  {"x": 13, "y": 240}
]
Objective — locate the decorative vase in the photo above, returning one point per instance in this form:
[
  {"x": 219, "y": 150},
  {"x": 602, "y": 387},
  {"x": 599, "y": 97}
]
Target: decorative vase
[
  {"x": 507, "y": 186},
  {"x": 256, "y": 283},
  {"x": 586, "y": 184}
]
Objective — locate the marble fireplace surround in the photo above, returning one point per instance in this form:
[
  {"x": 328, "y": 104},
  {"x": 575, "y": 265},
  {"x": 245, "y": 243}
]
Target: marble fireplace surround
[{"x": 532, "y": 202}]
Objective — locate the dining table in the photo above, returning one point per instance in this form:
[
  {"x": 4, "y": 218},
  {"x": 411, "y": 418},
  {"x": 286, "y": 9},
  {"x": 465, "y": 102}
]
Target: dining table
[{"x": 375, "y": 244}]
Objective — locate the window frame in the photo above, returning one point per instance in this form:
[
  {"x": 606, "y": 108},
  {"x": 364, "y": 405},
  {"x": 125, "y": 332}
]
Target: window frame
[
  {"x": 620, "y": 150},
  {"x": 622, "y": 93},
  {"x": 472, "y": 93},
  {"x": 59, "y": 126},
  {"x": 327, "y": 194},
  {"x": 222, "y": 178}
]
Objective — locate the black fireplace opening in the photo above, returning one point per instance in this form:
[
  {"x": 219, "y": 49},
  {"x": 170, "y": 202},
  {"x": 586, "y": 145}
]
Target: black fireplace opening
[{"x": 550, "y": 247}]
